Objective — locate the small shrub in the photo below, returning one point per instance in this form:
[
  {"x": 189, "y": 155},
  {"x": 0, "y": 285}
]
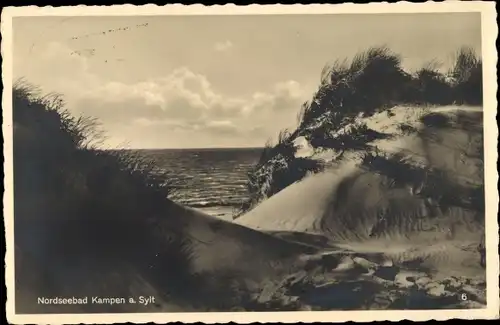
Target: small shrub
[
  {"x": 432, "y": 87},
  {"x": 468, "y": 78}
]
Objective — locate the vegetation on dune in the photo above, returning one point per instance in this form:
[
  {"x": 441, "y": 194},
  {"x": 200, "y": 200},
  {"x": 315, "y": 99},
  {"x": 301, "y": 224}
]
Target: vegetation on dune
[
  {"x": 56, "y": 156},
  {"x": 90, "y": 220},
  {"x": 98, "y": 210},
  {"x": 374, "y": 81},
  {"x": 434, "y": 185},
  {"x": 467, "y": 78}
]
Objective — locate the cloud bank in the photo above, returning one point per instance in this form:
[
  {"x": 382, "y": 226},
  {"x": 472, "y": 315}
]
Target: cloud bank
[{"x": 180, "y": 109}]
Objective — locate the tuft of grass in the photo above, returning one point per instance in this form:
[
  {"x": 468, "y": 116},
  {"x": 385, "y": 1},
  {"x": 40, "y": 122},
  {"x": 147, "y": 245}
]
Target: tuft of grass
[
  {"x": 371, "y": 81},
  {"x": 396, "y": 166},
  {"x": 284, "y": 147},
  {"x": 406, "y": 128},
  {"x": 467, "y": 77},
  {"x": 432, "y": 87},
  {"x": 352, "y": 137}
]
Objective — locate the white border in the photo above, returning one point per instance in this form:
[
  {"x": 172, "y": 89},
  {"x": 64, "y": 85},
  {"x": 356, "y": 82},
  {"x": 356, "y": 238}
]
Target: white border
[{"x": 489, "y": 35}]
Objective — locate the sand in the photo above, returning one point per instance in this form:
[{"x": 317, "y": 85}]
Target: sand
[
  {"x": 228, "y": 264},
  {"x": 341, "y": 209},
  {"x": 256, "y": 270}
]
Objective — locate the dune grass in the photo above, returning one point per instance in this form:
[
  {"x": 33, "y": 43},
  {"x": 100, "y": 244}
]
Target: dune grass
[
  {"x": 373, "y": 81},
  {"x": 56, "y": 154},
  {"x": 100, "y": 210},
  {"x": 99, "y": 222}
]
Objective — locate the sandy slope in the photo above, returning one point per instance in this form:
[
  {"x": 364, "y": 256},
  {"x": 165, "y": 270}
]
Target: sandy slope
[
  {"x": 218, "y": 245},
  {"x": 308, "y": 205},
  {"x": 377, "y": 274},
  {"x": 349, "y": 209},
  {"x": 225, "y": 258}
]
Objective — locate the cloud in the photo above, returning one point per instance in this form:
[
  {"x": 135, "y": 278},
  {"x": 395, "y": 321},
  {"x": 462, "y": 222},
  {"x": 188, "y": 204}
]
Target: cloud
[
  {"x": 222, "y": 127},
  {"x": 187, "y": 97},
  {"x": 223, "y": 46},
  {"x": 181, "y": 103},
  {"x": 283, "y": 96},
  {"x": 182, "y": 94}
]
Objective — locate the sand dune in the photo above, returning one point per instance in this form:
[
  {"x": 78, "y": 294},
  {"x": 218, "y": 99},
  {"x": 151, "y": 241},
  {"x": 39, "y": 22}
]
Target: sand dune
[
  {"x": 349, "y": 202},
  {"x": 351, "y": 210},
  {"x": 321, "y": 204}
]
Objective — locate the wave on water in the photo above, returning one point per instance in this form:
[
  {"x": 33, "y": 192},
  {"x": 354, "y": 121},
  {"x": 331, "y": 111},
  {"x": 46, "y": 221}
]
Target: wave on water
[
  {"x": 206, "y": 178},
  {"x": 210, "y": 204}
]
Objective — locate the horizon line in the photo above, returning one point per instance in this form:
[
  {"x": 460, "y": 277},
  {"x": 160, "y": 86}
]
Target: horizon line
[{"x": 184, "y": 148}]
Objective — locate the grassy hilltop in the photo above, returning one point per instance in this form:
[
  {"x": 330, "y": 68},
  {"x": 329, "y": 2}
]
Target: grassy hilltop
[{"x": 372, "y": 82}]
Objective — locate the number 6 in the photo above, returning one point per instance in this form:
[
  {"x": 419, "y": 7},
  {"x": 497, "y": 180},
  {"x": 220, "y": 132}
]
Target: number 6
[{"x": 463, "y": 297}]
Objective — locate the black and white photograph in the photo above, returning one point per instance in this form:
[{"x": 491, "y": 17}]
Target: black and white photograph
[{"x": 254, "y": 161}]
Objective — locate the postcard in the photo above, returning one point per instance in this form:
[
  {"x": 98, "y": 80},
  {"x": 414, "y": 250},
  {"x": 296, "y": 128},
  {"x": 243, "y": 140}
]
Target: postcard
[{"x": 262, "y": 163}]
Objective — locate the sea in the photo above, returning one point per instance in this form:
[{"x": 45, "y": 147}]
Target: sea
[{"x": 210, "y": 180}]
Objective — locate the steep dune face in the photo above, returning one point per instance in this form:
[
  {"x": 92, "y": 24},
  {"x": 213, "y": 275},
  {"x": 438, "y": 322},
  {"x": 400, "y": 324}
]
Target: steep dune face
[
  {"x": 219, "y": 246},
  {"x": 365, "y": 203}
]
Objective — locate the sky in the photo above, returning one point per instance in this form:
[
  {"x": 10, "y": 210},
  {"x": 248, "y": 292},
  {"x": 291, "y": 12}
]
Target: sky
[{"x": 213, "y": 81}]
